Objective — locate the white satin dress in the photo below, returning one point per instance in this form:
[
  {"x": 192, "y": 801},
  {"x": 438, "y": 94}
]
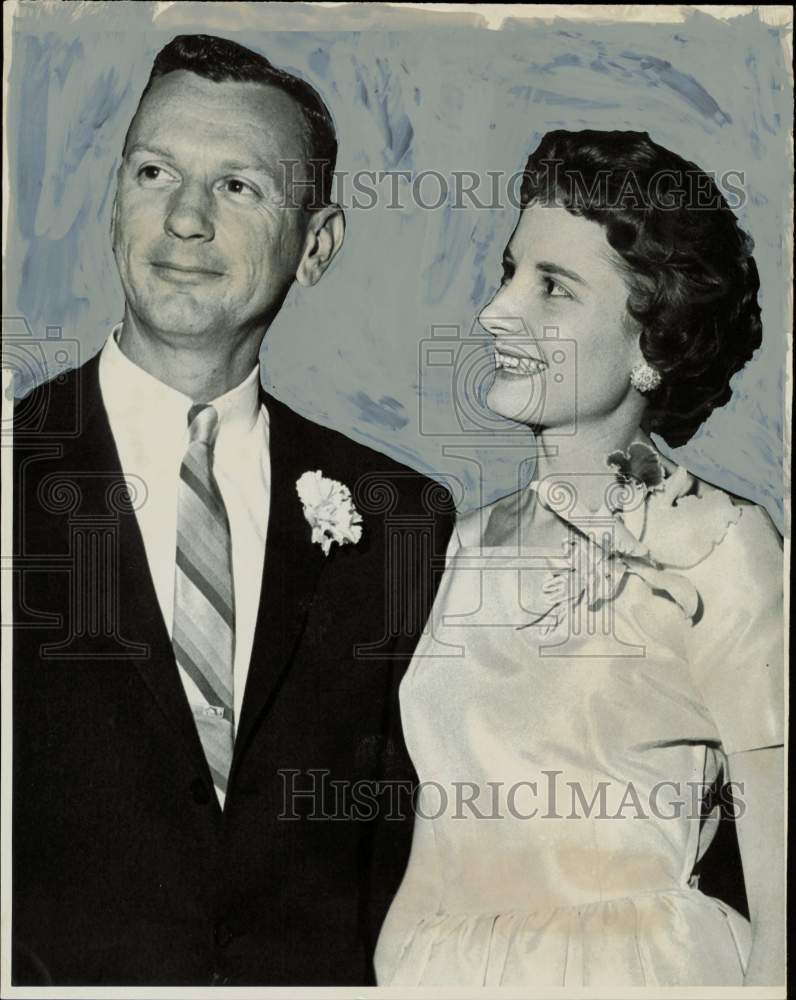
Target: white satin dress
[{"x": 563, "y": 764}]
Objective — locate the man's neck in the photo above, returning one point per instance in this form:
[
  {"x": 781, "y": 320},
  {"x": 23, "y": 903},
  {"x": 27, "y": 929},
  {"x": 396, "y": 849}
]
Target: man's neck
[{"x": 200, "y": 369}]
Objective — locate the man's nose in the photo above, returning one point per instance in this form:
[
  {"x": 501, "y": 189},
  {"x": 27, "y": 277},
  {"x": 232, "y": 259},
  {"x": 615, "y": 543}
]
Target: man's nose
[{"x": 190, "y": 214}]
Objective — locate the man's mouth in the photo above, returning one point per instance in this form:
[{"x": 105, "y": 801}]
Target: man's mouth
[
  {"x": 172, "y": 271},
  {"x": 519, "y": 364}
]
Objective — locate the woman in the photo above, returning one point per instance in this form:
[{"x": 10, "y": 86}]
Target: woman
[{"x": 606, "y": 644}]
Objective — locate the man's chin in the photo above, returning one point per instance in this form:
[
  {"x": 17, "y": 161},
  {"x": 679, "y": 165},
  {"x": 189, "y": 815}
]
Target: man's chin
[{"x": 180, "y": 320}]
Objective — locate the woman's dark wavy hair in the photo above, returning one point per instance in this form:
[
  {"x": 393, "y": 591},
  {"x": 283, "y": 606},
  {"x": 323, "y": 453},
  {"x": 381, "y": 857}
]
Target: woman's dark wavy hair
[{"x": 693, "y": 280}]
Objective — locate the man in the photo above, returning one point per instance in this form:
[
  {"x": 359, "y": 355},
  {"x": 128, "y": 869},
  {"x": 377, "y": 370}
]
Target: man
[{"x": 202, "y": 657}]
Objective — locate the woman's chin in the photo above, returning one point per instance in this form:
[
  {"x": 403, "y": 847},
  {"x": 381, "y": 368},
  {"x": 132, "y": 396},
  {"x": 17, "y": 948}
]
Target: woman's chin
[{"x": 520, "y": 400}]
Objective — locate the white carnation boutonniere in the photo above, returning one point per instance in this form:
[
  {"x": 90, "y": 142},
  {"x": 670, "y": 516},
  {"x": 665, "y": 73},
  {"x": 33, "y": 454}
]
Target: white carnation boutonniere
[{"x": 329, "y": 510}]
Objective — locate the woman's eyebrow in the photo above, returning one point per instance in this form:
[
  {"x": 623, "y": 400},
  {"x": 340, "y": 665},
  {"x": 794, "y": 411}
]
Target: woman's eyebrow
[{"x": 547, "y": 267}]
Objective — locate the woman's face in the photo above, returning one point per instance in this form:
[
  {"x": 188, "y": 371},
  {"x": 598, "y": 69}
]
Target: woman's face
[{"x": 564, "y": 344}]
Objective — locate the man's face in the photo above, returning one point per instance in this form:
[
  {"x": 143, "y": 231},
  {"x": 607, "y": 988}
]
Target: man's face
[{"x": 205, "y": 241}]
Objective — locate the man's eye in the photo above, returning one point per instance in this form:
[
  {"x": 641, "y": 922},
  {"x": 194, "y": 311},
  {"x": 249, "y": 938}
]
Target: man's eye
[
  {"x": 508, "y": 273},
  {"x": 239, "y": 188},
  {"x": 151, "y": 175}
]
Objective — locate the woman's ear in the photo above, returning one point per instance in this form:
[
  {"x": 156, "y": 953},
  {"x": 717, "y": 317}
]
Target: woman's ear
[
  {"x": 325, "y": 234},
  {"x": 113, "y": 221}
]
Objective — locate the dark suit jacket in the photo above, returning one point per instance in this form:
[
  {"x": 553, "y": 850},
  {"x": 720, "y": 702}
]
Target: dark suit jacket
[{"x": 125, "y": 869}]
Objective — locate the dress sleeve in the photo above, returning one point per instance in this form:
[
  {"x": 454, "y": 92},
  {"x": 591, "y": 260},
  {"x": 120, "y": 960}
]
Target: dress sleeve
[{"x": 736, "y": 646}]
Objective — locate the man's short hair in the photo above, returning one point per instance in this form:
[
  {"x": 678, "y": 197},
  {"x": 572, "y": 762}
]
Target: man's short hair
[{"x": 224, "y": 61}]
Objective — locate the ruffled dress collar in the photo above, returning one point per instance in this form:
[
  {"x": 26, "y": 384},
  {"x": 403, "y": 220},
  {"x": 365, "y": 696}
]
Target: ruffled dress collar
[{"x": 652, "y": 522}]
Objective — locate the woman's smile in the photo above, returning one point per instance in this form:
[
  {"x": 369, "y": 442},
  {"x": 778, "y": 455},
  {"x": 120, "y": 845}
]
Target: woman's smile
[{"x": 516, "y": 365}]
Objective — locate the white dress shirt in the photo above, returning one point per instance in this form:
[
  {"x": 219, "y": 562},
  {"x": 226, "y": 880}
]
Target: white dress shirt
[{"x": 149, "y": 422}]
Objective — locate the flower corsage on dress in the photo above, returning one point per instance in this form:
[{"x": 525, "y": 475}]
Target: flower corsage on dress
[{"x": 655, "y": 527}]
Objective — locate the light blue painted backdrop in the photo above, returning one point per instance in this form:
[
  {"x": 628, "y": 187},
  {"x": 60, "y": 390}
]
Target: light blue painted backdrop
[{"x": 347, "y": 353}]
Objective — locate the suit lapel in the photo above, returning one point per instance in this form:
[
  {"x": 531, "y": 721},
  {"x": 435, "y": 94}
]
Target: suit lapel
[
  {"x": 290, "y": 574},
  {"x": 140, "y": 618}
]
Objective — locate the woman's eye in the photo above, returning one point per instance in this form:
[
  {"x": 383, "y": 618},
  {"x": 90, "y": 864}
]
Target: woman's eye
[
  {"x": 508, "y": 274},
  {"x": 555, "y": 291}
]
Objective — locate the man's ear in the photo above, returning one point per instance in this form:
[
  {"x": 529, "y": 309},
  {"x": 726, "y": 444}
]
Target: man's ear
[
  {"x": 115, "y": 205},
  {"x": 325, "y": 234}
]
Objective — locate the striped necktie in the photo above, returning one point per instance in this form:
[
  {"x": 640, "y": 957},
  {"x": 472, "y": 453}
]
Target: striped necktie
[{"x": 203, "y": 636}]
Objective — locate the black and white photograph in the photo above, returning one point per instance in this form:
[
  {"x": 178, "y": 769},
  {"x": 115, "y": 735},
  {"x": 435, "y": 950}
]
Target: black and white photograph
[{"x": 395, "y": 435}]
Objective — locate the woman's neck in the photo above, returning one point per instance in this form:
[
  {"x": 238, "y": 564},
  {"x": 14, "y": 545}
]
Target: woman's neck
[{"x": 579, "y": 458}]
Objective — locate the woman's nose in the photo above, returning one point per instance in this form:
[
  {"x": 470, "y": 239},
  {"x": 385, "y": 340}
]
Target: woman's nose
[
  {"x": 190, "y": 214},
  {"x": 500, "y": 318}
]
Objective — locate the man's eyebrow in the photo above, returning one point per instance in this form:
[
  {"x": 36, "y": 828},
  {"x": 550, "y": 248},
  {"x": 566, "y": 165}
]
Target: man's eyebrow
[
  {"x": 227, "y": 165},
  {"x": 141, "y": 147},
  {"x": 546, "y": 267},
  {"x": 258, "y": 165}
]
